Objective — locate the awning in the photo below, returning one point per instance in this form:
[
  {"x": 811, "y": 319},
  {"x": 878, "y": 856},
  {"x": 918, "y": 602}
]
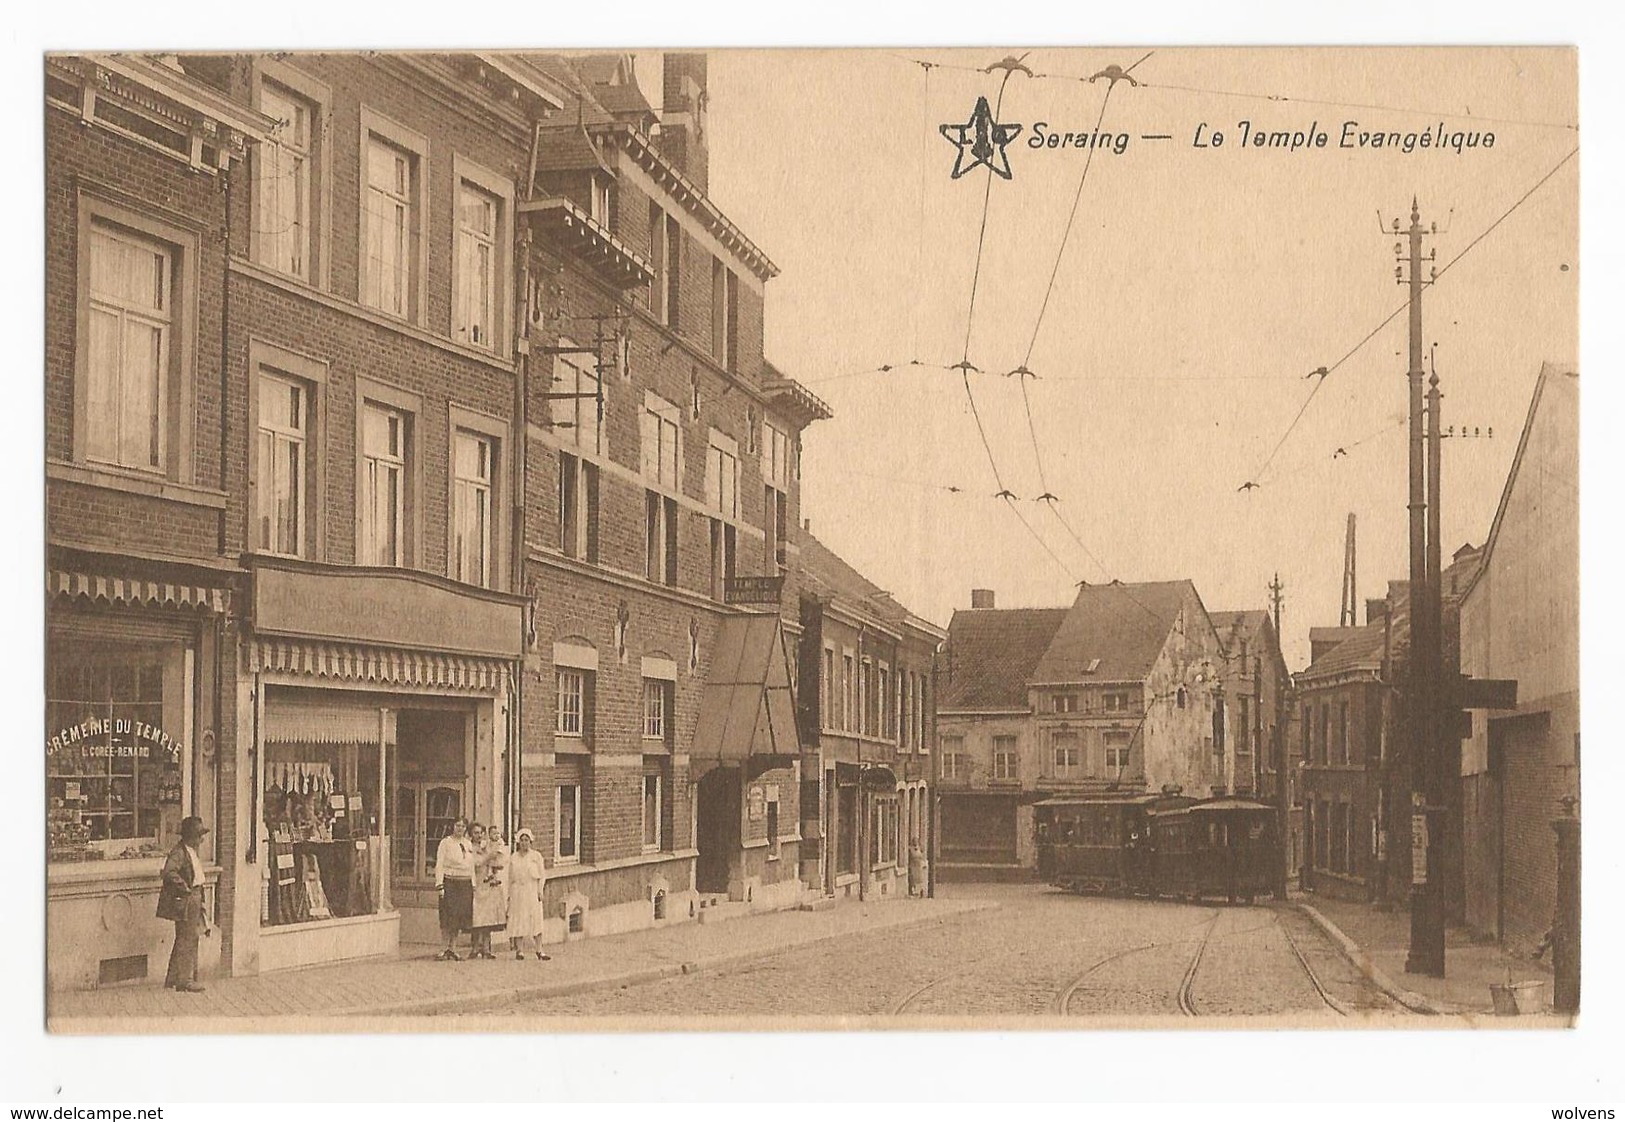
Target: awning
[
  {"x": 123, "y": 590},
  {"x": 748, "y": 708}
]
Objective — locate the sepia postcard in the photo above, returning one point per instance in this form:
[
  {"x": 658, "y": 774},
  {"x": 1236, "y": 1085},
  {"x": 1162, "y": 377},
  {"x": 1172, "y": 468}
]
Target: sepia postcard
[{"x": 941, "y": 538}]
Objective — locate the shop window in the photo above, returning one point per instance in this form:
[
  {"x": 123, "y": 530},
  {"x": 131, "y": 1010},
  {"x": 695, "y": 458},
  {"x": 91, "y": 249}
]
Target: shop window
[
  {"x": 116, "y": 754},
  {"x": 846, "y": 812},
  {"x": 567, "y": 815}
]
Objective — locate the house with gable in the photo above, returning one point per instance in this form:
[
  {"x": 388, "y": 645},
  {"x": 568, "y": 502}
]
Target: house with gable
[{"x": 1119, "y": 694}]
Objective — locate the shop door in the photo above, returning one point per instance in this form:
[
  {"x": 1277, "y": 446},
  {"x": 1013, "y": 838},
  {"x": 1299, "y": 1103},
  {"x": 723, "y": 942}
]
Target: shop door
[{"x": 717, "y": 837}]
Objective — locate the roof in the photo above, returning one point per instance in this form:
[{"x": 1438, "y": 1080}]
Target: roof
[
  {"x": 992, "y": 653},
  {"x": 1362, "y": 650},
  {"x": 1113, "y": 632},
  {"x": 1548, "y": 371},
  {"x": 748, "y": 708},
  {"x": 826, "y": 574},
  {"x": 792, "y": 397}
]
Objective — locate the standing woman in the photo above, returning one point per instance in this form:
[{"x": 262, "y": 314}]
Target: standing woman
[
  {"x": 454, "y": 878},
  {"x": 490, "y": 888},
  {"x": 527, "y": 872}
]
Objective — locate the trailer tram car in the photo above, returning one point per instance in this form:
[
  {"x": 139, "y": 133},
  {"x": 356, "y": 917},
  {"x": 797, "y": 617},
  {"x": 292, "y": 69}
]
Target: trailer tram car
[{"x": 1158, "y": 845}]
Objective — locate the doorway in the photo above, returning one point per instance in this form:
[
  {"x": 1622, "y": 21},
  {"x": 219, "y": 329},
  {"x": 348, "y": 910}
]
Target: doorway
[{"x": 717, "y": 811}]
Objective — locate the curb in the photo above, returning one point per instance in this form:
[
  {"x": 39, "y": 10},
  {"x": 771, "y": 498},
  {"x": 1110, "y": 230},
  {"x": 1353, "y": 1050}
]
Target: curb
[
  {"x": 1410, "y": 999},
  {"x": 511, "y": 995}
]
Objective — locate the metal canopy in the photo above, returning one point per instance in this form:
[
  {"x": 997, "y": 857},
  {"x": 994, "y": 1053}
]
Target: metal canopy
[{"x": 748, "y": 708}]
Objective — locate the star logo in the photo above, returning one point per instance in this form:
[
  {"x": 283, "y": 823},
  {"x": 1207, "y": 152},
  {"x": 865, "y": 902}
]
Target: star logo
[{"x": 983, "y": 139}]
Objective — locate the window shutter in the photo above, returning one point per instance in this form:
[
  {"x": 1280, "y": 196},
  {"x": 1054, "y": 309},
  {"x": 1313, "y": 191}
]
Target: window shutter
[
  {"x": 671, "y": 541},
  {"x": 651, "y": 445},
  {"x": 591, "y": 513}
]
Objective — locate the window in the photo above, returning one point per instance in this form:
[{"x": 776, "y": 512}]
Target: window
[
  {"x": 651, "y": 814},
  {"x": 662, "y": 443},
  {"x": 1343, "y": 732},
  {"x": 866, "y": 724},
  {"x": 390, "y": 228},
  {"x": 115, "y": 760},
  {"x": 283, "y": 183},
  {"x": 722, "y": 475},
  {"x": 1067, "y": 754},
  {"x": 888, "y": 726},
  {"x": 772, "y": 826},
  {"x": 578, "y": 508},
  {"x": 572, "y": 702},
  {"x": 567, "y": 814},
  {"x": 1244, "y": 733},
  {"x": 383, "y": 479},
  {"x": 724, "y": 551},
  {"x": 473, "y": 471},
  {"x": 1307, "y": 720},
  {"x": 955, "y": 764},
  {"x": 1117, "y": 751},
  {"x": 477, "y": 262},
  {"x": 131, "y": 323},
  {"x": 827, "y": 716},
  {"x": 1325, "y": 732},
  {"x": 1004, "y": 758},
  {"x": 724, "y": 315},
  {"x": 775, "y": 456},
  {"x": 279, "y": 484},
  {"x": 1116, "y": 702},
  {"x": 655, "y": 708},
  {"x": 775, "y": 523},
  {"x": 603, "y": 205},
  {"x": 849, "y": 693},
  {"x": 1065, "y": 703},
  {"x": 576, "y": 409},
  {"x": 1180, "y": 697},
  {"x": 660, "y": 538},
  {"x": 905, "y": 706},
  {"x": 666, "y": 238}
]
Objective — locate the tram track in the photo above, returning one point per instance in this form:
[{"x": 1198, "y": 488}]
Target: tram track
[
  {"x": 1186, "y": 998},
  {"x": 1332, "y": 1003},
  {"x": 1063, "y": 999}
]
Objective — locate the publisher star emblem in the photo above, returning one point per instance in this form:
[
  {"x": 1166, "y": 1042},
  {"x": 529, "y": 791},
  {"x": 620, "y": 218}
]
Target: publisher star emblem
[{"x": 982, "y": 140}]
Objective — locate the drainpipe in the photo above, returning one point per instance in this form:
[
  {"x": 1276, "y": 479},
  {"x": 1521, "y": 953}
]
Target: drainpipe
[
  {"x": 521, "y": 446},
  {"x": 934, "y": 827}
]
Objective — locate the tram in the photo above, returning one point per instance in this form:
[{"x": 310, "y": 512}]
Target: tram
[{"x": 1158, "y": 846}]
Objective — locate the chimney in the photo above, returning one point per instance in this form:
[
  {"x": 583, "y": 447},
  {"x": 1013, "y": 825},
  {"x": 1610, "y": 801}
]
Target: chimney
[
  {"x": 682, "y": 114},
  {"x": 981, "y": 598},
  {"x": 1376, "y": 609}
]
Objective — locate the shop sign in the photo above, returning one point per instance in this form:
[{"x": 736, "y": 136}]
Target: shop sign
[
  {"x": 758, "y": 803},
  {"x": 1419, "y": 847},
  {"x": 754, "y": 590},
  {"x": 114, "y": 738}
]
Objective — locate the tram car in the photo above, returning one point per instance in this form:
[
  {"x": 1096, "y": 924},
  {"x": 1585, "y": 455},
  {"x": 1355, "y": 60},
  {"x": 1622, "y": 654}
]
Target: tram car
[{"x": 1158, "y": 845}]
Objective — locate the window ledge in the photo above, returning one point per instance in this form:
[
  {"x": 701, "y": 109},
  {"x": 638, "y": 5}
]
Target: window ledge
[{"x": 135, "y": 483}]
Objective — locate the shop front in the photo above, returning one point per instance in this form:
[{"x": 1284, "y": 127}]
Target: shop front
[
  {"x": 131, "y": 732},
  {"x": 365, "y": 748}
]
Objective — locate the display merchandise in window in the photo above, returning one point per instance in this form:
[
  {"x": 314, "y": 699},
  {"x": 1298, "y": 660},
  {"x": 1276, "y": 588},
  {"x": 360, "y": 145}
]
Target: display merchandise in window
[
  {"x": 320, "y": 827},
  {"x": 114, "y": 745}
]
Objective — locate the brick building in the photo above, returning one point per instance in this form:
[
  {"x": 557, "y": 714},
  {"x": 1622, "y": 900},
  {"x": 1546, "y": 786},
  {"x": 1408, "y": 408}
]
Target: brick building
[
  {"x": 1520, "y": 619},
  {"x": 1120, "y": 693},
  {"x": 660, "y": 546},
  {"x": 465, "y": 490},
  {"x": 143, "y": 166},
  {"x": 866, "y": 704}
]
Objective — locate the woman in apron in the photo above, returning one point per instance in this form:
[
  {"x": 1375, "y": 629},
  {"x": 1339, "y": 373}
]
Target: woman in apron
[
  {"x": 527, "y": 872},
  {"x": 490, "y": 888}
]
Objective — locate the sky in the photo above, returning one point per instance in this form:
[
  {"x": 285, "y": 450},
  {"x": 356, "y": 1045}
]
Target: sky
[{"x": 1194, "y": 290}]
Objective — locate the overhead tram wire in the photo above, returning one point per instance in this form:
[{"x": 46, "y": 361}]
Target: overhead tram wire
[
  {"x": 1282, "y": 98},
  {"x": 1325, "y": 372}
]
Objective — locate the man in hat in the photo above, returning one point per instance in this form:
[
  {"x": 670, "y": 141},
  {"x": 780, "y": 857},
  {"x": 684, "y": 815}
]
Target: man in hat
[{"x": 180, "y": 899}]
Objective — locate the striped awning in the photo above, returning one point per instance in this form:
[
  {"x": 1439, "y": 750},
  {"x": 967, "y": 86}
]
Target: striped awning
[
  {"x": 342, "y": 662},
  {"x": 127, "y": 590}
]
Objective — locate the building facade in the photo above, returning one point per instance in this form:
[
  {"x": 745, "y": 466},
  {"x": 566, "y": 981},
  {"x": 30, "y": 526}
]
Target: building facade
[
  {"x": 1520, "y": 620},
  {"x": 143, "y": 162},
  {"x": 866, "y": 703},
  {"x": 461, "y": 488},
  {"x": 1120, "y": 693}
]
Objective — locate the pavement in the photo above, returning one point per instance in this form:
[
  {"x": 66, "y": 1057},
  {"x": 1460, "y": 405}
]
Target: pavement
[
  {"x": 414, "y": 983},
  {"x": 1377, "y": 941}
]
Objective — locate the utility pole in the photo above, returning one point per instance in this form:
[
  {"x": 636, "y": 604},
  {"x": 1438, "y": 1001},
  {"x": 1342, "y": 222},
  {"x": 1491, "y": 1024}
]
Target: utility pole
[
  {"x": 1422, "y": 677},
  {"x": 1283, "y": 763},
  {"x": 1350, "y": 613}
]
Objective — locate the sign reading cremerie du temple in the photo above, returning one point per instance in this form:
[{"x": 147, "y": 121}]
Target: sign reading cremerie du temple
[{"x": 754, "y": 590}]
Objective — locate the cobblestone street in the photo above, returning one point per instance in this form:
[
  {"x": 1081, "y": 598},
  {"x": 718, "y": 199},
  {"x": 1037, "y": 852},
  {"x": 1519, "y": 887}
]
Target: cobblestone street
[{"x": 1039, "y": 953}]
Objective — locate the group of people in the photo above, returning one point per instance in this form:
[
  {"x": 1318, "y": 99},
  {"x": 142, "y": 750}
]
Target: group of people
[{"x": 484, "y": 889}]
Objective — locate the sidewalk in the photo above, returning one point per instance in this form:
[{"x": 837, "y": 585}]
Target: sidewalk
[
  {"x": 1379, "y": 941},
  {"x": 414, "y": 983}
]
